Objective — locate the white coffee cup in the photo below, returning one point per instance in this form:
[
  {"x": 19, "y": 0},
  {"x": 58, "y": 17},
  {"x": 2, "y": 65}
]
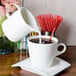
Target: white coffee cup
[
  {"x": 42, "y": 55},
  {"x": 19, "y": 24}
]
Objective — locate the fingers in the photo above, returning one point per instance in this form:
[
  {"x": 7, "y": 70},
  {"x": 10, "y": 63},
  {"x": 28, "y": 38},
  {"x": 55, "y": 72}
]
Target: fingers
[
  {"x": 3, "y": 2},
  {"x": 9, "y": 7},
  {"x": 15, "y": 1}
]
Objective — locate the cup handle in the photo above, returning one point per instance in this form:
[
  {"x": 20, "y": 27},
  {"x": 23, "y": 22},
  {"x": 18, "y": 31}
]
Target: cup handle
[
  {"x": 17, "y": 6},
  {"x": 61, "y": 52}
]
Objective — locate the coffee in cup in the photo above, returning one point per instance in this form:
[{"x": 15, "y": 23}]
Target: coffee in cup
[{"x": 42, "y": 54}]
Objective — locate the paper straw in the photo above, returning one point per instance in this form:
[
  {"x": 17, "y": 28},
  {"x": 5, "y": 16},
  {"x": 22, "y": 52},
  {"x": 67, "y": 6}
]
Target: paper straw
[{"x": 52, "y": 33}]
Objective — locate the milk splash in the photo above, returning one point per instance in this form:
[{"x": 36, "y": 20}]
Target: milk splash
[{"x": 39, "y": 37}]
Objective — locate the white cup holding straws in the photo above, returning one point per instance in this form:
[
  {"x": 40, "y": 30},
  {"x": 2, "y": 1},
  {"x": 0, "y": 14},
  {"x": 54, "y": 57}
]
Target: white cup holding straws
[
  {"x": 19, "y": 24},
  {"x": 42, "y": 55}
]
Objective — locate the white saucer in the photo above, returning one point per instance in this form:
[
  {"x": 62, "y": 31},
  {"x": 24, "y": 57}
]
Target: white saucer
[{"x": 58, "y": 66}]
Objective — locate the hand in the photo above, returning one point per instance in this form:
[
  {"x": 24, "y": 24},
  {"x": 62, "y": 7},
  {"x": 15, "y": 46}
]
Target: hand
[{"x": 9, "y": 6}]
